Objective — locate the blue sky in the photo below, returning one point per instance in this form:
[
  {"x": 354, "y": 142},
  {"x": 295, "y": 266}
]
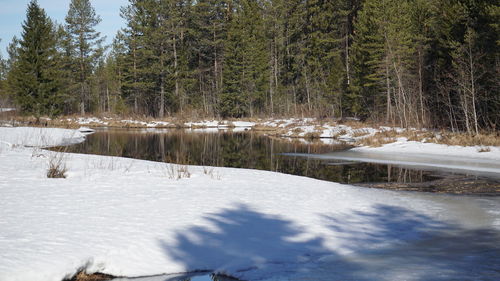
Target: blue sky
[{"x": 13, "y": 13}]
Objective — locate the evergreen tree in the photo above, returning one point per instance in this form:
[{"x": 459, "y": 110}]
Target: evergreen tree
[
  {"x": 246, "y": 61},
  {"x": 81, "y": 21},
  {"x": 3, "y": 76},
  {"x": 3, "y": 66},
  {"x": 34, "y": 74},
  {"x": 134, "y": 54},
  {"x": 209, "y": 32}
]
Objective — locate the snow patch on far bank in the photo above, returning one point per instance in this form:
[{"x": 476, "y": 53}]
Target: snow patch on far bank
[
  {"x": 6, "y": 109},
  {"x": 403, "y": 146}
]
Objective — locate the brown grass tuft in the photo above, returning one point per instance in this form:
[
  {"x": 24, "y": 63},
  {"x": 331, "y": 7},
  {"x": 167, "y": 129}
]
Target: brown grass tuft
[
  {"x": 82, "y": 276},
  {"x": 57, "y": 168},
  {"x": 360, "y": 133},
  {"x": 484, "y": 149},
  {"x": 487, "y": 139},
  {"x": 379, "y": 139}
]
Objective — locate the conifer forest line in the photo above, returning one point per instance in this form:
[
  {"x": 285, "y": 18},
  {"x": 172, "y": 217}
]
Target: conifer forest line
[{"x": 410, "y": 63}]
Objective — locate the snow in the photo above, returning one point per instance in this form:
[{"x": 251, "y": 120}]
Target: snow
[
  {"x": 6, "y": 109},
  {"x": 87, "y": 121},
  {"x": 26, "y": 136},
  {"x": 402, "y": 145},
  {"x": 219, "y": 124},
  {"x": 243, "y": 124},
  {"x": 127, "y": 217}
]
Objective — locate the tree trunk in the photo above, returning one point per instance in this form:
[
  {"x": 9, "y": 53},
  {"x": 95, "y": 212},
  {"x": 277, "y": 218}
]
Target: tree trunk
[
  {"x": 388, "y": 86},
  {"x": 420, "y": 87},
  {"x": 176, "y": 74}
]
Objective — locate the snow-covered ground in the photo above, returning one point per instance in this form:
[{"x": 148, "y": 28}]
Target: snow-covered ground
[{"x": 128, "y": 217}]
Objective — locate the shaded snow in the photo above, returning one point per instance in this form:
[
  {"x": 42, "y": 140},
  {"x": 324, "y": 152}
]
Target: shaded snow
[{"x": 126, "y": 217}]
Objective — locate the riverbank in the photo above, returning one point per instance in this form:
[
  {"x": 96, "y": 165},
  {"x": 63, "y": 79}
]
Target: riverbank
[
  {"x": 127, "y": 217},
  {"x": 327, "y": 130}
]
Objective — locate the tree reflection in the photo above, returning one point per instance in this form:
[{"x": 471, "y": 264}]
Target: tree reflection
[{"x": 239, "y": 150}]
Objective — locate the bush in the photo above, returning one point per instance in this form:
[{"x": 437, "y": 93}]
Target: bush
[{"x": 57, "y": 168}]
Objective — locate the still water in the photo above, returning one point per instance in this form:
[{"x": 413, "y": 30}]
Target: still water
[{"x": 243, "y": 150}]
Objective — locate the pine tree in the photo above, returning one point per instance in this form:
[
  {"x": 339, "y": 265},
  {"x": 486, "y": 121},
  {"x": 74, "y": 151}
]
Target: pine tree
[
  {"x": 135, "y": 53},
  {"x": 3, "y": 67},
  {"x": 246, "y": 72},
  {"x": 34, "y": 74},
  {"x": 81, "y": 21},
  {"x": 233, "y": 100},
  {"x": 3, "y": 76},
  {"x": 367, "y": 57}
]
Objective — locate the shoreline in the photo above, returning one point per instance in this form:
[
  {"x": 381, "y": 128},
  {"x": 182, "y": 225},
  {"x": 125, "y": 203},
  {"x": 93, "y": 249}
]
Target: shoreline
[{"x": 306, "y": 128}]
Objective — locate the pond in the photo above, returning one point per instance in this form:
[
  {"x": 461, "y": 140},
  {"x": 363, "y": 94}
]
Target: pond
[{"x": 253, "y": 150}]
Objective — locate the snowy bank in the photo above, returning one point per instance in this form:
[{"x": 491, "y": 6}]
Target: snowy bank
[
  {"x": 403, "y": 146},
  {"x": 39, "y": 137},
  {"x": 128, "y": 217}
]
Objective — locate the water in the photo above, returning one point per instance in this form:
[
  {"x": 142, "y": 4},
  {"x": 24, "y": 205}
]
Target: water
[{"x": 244, "y": 150}]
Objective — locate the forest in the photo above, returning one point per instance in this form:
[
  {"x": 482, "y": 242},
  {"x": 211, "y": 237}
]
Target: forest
[{"x": 409, "y": 63}]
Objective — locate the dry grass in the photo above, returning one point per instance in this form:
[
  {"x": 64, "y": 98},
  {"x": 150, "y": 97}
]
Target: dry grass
[
  {"x": 379, "y": 139},
  {"x": 57, "y": 168},
  {"x": 360, "y": 133},
  {"x": 263, "y": 128},
  {"x": 353, "y": 124},
  {"x": 82, "y": 276},
  {"x": 177, "y": 172},
  {"x": 484, "y": 149},
  {"x": 341, "y": 132},
  {"x": 485, "y": 139},
  {"x": 312, "y": 135},
  {"x": 210, "y": 171},
  {"x": 459, "y": 139}
]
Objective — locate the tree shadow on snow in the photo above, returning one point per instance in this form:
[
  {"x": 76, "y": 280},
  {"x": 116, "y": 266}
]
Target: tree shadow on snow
[
  {"x": 386, "y": 243},
  {"x": 394, "y": 243}
]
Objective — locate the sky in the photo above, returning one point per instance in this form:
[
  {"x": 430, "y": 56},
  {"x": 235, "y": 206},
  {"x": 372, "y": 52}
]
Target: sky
[{"x": 13, "y": 13}]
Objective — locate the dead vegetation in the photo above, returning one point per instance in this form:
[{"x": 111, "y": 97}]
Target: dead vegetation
[
  {"x": 484, "y": 149},
  {"x": 378, "y": 139},
  {"x": 463, "y": 139},
  {"x": 359, "y": 133},
  {"x": 82, "y": 276},
  {"x": 177, "y": 172},
  {"x": 484, "y": 140},
  {"x": 212, "y": 173},
  {"x": 57, "y": 166}
]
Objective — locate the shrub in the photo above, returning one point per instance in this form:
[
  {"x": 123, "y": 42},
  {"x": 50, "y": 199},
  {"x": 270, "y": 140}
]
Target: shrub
[
  {"x": 57, "y": 168},
  {"x": 177, "y": 172}
]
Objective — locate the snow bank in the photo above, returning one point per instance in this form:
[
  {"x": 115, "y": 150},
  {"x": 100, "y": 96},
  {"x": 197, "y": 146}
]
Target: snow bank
[
  {"x": 127, "y": 217},
  {"x": 6, "y": 109},
  {"x": 403, "y": 146},
  {"x": 39, "y": 137}
]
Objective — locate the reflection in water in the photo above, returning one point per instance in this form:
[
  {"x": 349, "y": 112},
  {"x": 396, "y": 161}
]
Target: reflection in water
[{"x": 240, "y": 150}]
